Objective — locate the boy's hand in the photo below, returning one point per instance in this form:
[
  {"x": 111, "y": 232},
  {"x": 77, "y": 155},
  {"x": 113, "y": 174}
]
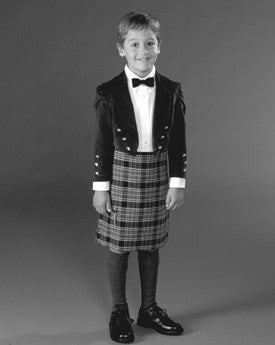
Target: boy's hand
[
  {"x": 101, "y": 202},
  {"x": 174, "y": 198}
]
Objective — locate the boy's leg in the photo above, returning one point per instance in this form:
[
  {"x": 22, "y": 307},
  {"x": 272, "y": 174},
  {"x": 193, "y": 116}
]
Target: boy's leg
[
  {"x": 117, "y": 264},
  {"x": 120, "y": 321},
  {"x": 148, "y": 270},
  {"x": 150, "y": 314}
]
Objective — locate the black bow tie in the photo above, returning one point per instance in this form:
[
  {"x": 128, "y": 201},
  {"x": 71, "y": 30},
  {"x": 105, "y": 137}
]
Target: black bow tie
[{"x": 148, "y": 82}]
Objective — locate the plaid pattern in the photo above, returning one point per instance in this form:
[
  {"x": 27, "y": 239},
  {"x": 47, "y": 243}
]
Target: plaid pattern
[{"x": 139, "y": 220}]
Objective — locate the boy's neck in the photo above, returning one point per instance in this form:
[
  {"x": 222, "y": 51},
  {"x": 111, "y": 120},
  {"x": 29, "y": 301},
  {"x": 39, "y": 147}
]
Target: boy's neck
[{"x": 141, "y": 76}]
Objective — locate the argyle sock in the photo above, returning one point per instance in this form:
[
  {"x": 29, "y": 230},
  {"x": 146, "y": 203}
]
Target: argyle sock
[
  {"x": 117, "y": 265},
  {"x": 148, "y": 270}
]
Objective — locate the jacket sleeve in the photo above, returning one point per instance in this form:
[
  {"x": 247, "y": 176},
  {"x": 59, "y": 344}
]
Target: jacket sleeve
[
  {"x": 177, "y": 140},
  {"x": 103, "y": 141}
]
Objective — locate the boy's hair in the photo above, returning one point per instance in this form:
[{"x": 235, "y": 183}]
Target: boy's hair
[{"x": 137, "y": 20}]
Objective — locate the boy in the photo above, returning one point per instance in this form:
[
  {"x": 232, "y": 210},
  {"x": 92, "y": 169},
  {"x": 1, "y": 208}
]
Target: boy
[{"x": 140, "y": 165}]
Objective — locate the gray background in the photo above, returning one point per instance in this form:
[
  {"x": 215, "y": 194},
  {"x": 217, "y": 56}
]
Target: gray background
[{"x": 216, "y": 273}]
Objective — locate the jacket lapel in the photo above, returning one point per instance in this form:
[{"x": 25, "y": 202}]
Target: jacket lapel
[
  {"x": 125, "y": 116},
  {"x": 162, "y": 105}
]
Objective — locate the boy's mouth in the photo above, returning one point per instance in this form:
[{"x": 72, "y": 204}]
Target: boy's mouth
[{"x": 144, "y": 59}]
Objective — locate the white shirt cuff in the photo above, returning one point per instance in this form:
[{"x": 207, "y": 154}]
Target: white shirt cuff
[
  {"x": 177, "y": 182},
  {"x": 101, "y": 185},
  {"x": 174, "y": 182}
]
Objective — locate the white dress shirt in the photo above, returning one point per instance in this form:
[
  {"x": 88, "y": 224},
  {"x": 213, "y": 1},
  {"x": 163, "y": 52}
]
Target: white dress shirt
[{"x": 143, "y": 99}]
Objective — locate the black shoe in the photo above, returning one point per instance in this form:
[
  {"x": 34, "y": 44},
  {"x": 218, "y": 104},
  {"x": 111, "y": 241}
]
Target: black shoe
[
  {"x": 120, "y": 327},
  {"x": 157, "y": 319}
]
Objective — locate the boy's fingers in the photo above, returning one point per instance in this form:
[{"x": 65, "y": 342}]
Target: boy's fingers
[
  {"x": 174, "y": 207},
  {"x": 101, "y": 210},
  {"x": 168, "y": 200},
  {"x": 170, "y": 204},
  {"x": 108, "y": 207}
]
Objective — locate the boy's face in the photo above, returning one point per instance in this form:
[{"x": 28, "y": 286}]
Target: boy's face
[{"x": 141, "y": 49}]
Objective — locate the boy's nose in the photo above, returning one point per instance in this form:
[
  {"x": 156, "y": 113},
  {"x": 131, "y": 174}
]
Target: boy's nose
[{"x": 143, "y": 50}]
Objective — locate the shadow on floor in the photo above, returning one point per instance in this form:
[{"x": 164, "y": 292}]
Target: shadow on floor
[{"x": 250, "y": 302}]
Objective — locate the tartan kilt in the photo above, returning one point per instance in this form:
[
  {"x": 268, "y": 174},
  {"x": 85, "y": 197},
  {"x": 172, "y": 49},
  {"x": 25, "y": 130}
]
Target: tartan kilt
[{"x": 139, "y": 219}]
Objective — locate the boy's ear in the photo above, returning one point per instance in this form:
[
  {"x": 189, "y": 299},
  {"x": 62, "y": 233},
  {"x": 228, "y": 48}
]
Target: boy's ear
[
  {"x": 159, "y": 47},
  {"x": 120, "y": 50}
]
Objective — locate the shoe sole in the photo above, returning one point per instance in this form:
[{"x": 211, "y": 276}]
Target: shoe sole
[{"x": 144, "y": 325}]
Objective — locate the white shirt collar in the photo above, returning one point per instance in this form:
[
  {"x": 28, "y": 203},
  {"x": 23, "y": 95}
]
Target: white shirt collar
[{"x": 131, "y": 74}]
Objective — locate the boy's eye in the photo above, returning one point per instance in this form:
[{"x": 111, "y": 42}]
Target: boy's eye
[
  {"x": 151, "y": 44},
  {"x": 134, "y": 44}
]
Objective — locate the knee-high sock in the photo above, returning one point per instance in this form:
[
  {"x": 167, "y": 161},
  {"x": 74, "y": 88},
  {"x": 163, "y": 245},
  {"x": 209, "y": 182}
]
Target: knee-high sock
[
  {"x": 148, "y": 270},
  {"x": 117, "y": 265}
]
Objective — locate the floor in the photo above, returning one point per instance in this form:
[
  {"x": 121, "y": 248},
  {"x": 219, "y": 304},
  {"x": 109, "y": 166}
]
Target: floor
[{"x": 216, "y": 275}]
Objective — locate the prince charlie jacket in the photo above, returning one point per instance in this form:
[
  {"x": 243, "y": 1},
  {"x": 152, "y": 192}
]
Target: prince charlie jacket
[{"x": 115, "y": 126}]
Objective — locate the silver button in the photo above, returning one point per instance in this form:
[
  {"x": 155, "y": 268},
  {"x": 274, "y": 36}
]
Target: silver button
[
  {"x": 97, "y": 156},
  {"x": 128, "y": 148},
  {"x": 123, "y": 139},
  {"x": 97, "y": 173},
  {"x": 160, "y": 147},
  {"x": 166, "y": 127},
  {"x": 118, "y": 130},
  {"x": 163, "y": 136},
  {"x": 96, "y": 164},
  {"x": 184, "y": 155}
]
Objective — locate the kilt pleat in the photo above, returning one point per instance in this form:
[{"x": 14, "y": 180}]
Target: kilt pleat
[{"x": 139, "y": 219}]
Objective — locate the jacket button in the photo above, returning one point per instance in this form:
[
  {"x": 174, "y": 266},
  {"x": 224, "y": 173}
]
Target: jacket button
[
  {"x": 162, "y": 137},
  {"x": 166, "y": 127},
  {"x": 118, "y": 130},
  {"x": 128, "y": 148},
  {"x": 123, "y": 139},
  {"x": 97, "y": 156},
  {"x": 96, "y": 164},
  {"x": 159, "y": 147},
  {"x": 97, "y": 173}
]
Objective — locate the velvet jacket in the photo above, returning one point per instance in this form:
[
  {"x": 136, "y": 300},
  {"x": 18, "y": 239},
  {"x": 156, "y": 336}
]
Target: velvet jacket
[{"x": 115, "y": 125}]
